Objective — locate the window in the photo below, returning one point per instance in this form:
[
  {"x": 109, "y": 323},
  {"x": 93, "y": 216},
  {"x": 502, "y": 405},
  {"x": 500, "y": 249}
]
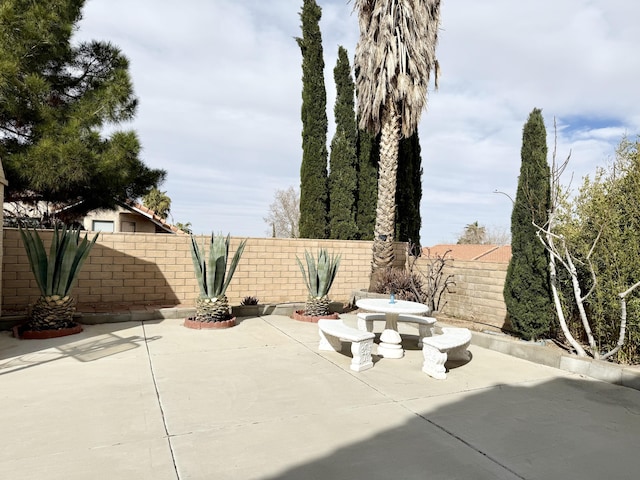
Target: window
[{"x": 102, "y": 226}]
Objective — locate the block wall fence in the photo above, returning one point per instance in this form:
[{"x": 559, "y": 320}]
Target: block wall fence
[
  {"x": 477, "y": 294},
  {"x": 125, "y": 270}
]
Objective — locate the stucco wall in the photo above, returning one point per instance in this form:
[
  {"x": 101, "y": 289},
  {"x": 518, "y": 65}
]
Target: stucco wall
[
  {"x": 142, "y": 225},
  {"x": 144, "y": 269}
]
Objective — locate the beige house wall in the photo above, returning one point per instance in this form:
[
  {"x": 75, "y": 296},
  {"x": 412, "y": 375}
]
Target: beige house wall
[
  {"x": 156, "y": 269},
  {"x": 118, "y": 216}
]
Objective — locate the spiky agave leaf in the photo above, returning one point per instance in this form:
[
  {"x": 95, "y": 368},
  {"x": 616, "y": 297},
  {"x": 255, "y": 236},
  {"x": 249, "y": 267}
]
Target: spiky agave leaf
[
  {"x": 319, "y": 275},
  {"x": 198, "y": 266},
  {"x": 56, "y": 272},
  {"x": 83, "y": 250},
  {"x": 234, "y": 263},
  {"x": 218, "y": 254},
  {"x": 304, "y": 275},
  {"x": 37, "y": 257},
  {"x": 211, "y": 273}
]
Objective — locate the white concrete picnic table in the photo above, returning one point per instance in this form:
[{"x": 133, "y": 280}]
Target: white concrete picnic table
[{"x": 390, "y": 341}]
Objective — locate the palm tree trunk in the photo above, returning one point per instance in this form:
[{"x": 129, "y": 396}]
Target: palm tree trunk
[{"x": 386, "y": 209}]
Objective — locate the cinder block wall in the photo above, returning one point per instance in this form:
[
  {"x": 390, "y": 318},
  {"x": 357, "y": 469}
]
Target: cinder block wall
[
  {"x": 127, "y": 269},
  {"x": 477, "y": 295}
]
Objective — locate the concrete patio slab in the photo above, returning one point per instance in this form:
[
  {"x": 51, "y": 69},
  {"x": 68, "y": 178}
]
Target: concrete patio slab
[{"x": 155, "y": 400}]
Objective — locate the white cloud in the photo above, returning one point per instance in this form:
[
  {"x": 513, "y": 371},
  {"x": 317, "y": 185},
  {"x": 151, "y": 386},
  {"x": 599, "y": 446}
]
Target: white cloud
[{"x": 219, "y": 83}]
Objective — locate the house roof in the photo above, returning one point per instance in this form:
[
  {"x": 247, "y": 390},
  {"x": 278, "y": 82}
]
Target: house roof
[
  {"x": 481, "y": 253},
  {"x": 152, "y": 216}
]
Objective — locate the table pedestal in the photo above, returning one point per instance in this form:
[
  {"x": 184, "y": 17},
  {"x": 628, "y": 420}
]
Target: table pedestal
[{"x": 390, "y": 345}]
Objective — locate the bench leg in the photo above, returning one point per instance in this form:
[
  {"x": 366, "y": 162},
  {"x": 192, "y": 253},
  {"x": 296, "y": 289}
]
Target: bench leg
[
  {"x": 434, "y": 361},
  {"x": 424, "y": 331},
  {"x": 361, "y": 352},
  {"x": 329, "y": 343},
  {"x": 365, "y": 325}
]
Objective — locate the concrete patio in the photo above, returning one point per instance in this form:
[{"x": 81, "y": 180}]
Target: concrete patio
[{"x": 155, "y": 400}]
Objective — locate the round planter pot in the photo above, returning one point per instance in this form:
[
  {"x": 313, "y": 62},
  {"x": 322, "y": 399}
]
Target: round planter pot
[
  {"x": 300, "y": 316},
  {"x": 197, "y": 325},
  {"x": 44, "y": 334}
]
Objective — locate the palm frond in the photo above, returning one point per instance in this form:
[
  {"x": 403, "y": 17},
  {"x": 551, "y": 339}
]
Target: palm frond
[{"x": 394, "y": 59}]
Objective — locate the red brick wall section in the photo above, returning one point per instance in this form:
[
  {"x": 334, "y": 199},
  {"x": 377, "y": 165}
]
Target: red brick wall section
[{"x": 126, "y": 269}]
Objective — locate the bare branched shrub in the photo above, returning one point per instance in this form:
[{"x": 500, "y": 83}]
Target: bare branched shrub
[
  {"x": 425, "y": 285},
  {"x": 402, "y": 283},
  {"x": 432, "y": 277}
]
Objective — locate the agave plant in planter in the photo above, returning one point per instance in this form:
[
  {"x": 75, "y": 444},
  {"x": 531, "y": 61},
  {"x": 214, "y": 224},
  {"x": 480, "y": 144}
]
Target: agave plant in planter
[
  {"x": 212, "y": 306},
  {"x": 318, "y": 278},
  {"x": 55, "y": 276}
]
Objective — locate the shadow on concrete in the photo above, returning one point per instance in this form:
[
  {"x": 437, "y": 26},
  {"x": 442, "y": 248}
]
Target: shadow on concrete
[
  {"x": 565, "y": 428},
  {"x": 87, "y": 346}
]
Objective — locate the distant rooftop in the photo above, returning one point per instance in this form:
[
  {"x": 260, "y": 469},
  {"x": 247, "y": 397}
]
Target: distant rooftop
[{"x": 481, "y": 253}]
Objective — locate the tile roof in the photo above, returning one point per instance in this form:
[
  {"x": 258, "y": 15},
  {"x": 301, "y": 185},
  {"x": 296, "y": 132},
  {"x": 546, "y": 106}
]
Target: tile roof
[
  {"x": 152, "y": 216},
  {"x": 481, "y": 253}
]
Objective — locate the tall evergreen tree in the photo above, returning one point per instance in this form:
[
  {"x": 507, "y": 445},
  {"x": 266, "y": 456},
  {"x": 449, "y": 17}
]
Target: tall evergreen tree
[
  {"x": 343, "y": 159},
  {"x": 55, "y": 98},
  {"x": 527, "y": 291},
  {"x": 314, "y": 201},
  {"x": 367, "y": 194},
  {"x": 409, "y": 191}
]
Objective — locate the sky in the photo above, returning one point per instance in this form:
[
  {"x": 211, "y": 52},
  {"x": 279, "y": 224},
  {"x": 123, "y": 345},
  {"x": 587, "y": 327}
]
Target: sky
[{"x": 220, "y": 81}]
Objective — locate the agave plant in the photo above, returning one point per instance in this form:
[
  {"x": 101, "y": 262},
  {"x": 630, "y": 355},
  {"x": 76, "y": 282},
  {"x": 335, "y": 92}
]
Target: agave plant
[
  {"x": 250, "y": 300},
  {"x": 318, "y": 278},
  {"x": 55, "y": 275},
  {"x": 213, "y": 279}
]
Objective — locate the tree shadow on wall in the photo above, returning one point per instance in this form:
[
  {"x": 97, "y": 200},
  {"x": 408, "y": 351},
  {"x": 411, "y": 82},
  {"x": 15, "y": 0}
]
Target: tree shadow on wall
[
  {"x": 563, "y": 428},
  {"x": 126, "y": 283}
]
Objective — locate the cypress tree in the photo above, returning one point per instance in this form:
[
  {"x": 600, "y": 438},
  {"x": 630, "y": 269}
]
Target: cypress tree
[
  {"x": 367, "y": 194},
  {"x": 527, "y": 290},
  {"x": 409, "y": 190},
  {"x": 342, "y": 174},
  {"x": 313, "y": 171}
]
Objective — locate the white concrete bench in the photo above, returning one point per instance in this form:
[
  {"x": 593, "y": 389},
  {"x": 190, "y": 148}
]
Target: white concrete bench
[
  {"x": 452, "y": 344},
  {"x": 334, "y": 332},
  {"x": 425, "y": 324}
]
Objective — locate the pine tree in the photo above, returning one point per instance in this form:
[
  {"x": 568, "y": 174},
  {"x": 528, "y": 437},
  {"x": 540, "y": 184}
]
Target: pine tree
[
  {"x": 367, "y": 194},
  {"x": 314, "y": 194},
  {"x": 409, "y": 191},
  {"x": 527, "y": 289},
  {"x": 55, "y": 98},
  {"x": 342, "y": 174}
]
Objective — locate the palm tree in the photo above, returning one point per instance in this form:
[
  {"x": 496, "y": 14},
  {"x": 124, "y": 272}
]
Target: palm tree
[
  {"x": 158, "y": 201},
  {"x": 473, "y": 234},
  {"x": 393, "y": 62}
]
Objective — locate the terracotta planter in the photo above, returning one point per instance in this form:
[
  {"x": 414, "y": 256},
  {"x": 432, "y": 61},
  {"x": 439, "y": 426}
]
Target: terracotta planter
[
  {"x": 197, "y": 325},
  {"x": 300, "y": 316},
  {"x": 44, "y": 334}
]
